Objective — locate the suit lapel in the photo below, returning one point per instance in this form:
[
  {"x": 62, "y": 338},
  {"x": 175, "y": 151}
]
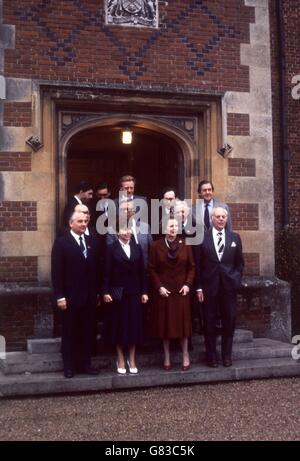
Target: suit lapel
[
  {"x": 121, "y": 252},
  {"x": 228, "y": 242},
  {"x": 211, "y": 245},
  {"x": 74, "y": 244},
  {"x": 89, "y": 240},
  {"x": 133, "y": 250}
]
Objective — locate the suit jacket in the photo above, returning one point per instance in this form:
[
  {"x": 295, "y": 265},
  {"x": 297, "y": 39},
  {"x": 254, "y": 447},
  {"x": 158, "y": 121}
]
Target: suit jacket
[
  {"x": 75, "y": 277},
  {"x": 172, "y": 274},
  {"x": 143, "y": 236},
  {"x": 215, "y": 204},
  {"x": 213, "y": 274},
  {"x": 121, "y": 271},
  {"x": 143, "y": 203}
]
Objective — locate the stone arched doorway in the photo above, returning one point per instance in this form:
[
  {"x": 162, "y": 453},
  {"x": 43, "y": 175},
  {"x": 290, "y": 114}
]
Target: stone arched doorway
[
  {"x": 96, "y": 154},
  {"x": 164, "y": 153}
]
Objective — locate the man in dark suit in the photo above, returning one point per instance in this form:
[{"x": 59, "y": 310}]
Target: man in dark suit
[
  {"x": 166, "y": 209},
  {"x": 219, "y": 268},
  {"x": 202, "y": 211},
  {"x": 75, "y": 279},
  {"x": 83, "y": 195},
  {"x": 101, "y": 202}
]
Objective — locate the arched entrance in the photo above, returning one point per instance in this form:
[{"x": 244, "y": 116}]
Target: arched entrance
[
  {"x": 97, "y": 154},
  {"x": 165, "y": 152}
]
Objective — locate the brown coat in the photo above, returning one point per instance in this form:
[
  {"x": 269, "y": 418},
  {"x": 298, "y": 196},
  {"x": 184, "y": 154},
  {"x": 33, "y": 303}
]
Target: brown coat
[{"x": 171, "y": 317}]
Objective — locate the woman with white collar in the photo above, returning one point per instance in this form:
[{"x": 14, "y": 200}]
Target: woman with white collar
[{"x": 124, "y": 288}]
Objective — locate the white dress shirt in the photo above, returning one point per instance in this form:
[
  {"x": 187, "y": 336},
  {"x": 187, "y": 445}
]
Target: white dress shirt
[
  {"x": 76, "y": 237},
  {"x": 126, "y": 248},
  {"x": 78, "y": 200}
]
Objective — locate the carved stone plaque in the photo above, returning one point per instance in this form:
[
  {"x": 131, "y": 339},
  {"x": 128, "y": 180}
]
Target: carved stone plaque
[{"x": 132, "y": 12}]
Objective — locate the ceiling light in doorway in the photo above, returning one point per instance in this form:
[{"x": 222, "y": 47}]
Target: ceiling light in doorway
[{"x": 126, "y": 136}]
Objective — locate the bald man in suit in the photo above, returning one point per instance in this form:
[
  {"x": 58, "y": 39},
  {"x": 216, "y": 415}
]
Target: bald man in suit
[
  {"x": 76, "y": 285},
  {"x": 219, "y": 269}
]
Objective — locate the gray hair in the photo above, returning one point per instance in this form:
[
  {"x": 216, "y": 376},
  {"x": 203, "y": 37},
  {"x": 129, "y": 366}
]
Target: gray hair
[{"x": 220, "y": 206}]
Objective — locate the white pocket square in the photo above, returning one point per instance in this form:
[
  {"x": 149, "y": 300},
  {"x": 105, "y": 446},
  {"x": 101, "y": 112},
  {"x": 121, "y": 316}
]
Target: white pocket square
[{"x": 233, "y": 244}]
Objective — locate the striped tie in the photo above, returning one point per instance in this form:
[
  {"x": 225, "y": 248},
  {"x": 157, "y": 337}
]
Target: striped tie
[{"x": 220, "y": 244}]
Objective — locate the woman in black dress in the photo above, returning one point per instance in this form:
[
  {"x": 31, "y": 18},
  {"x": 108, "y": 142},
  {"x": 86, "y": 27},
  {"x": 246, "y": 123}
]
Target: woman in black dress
[{"x": 124, "y": 288}]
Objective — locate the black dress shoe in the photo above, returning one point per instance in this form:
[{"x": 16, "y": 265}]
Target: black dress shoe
[
  {"x": 212, "y": 364},
  {"x": 68, "y": 373},
  {"x": 90, "y": 371},
  {"x": 227, "y": 362}
]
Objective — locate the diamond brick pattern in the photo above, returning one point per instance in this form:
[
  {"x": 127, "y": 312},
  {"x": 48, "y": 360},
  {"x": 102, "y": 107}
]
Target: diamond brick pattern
[{"x": 195, "y": 38}]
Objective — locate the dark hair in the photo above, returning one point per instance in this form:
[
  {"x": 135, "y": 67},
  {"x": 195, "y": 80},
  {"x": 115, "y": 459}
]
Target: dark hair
[
  {"x": 84, "y": 186},
  {"x": 169, "y": 189},
  {"x": 204, "y": 181},
  {"x": 102, "y": 185}
]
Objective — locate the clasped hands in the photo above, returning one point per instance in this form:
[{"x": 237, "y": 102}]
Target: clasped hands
[
  {"x": 165, "y": 293},
  {"x": 108, "y": 299}
]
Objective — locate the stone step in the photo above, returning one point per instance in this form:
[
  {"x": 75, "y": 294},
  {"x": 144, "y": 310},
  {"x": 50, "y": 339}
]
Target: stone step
[
  {"x": 55, "y": 383},
  {"x": 23, "y": 362},
  {"x": 52, "y": 345},
  {"x": 43, "y": 345}
]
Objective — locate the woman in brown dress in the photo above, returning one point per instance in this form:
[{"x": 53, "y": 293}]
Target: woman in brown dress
[{"x": 172, "y": 270}]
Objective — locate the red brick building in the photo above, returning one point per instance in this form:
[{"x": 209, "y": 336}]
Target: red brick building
[{"x": 188, "y": 77}]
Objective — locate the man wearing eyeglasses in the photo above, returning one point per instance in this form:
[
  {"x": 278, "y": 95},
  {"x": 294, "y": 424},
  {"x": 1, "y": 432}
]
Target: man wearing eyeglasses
[{"x": 166, "y": 211}]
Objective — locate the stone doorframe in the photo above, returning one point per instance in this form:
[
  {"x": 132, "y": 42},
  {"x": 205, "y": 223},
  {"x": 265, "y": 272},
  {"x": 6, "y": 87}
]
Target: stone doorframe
[{"x": 194, "y": 122}]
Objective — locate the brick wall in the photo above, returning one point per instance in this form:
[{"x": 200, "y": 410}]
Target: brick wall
[
  {"x": 17, "y": 317},
  {"x": 197, "y": 44},
  {"x": 244, "y": 216},
  {"x": 242, "y": 167},
  {"x": 276, "y": 117},
  {"x": 238, "y": 124},
  {"x": 292, "y": 49},
  {"x": 15, "y": 161},
  {"x": 17, "y": 114},
  {"x": 251, "y": 263},
  {"x": 25, "y": 312},
  {"x": 18, "y": 216},
  {"x": 286, "y": 255},
  {"x": 18, "y": 269},
  {"x": 291, "y": 11}
]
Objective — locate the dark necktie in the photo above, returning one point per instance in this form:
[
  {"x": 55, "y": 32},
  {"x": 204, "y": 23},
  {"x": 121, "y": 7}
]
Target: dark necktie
[
  {"x": 206, "y": 217},
  {"x": 182, "y": 228},
  {"x": 82, "y": 246}
]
